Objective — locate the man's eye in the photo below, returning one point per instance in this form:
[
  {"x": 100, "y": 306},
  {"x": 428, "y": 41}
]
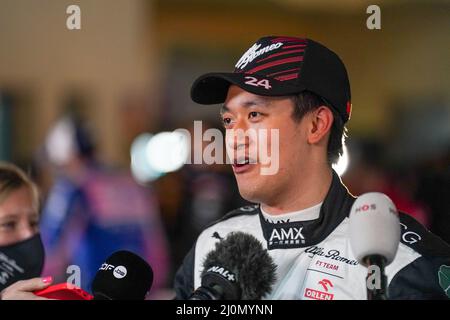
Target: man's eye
[
  {"x": 254, "y": 114},
  {"x": 226, "y": 121}
]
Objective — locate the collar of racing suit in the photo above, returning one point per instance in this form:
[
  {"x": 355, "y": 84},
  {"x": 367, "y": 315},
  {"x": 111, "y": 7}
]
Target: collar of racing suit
[{"x": 336, "y": 206}]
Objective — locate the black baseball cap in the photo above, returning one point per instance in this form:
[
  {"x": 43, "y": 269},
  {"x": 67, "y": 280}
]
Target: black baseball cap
[{"x": 281, "y": 66}]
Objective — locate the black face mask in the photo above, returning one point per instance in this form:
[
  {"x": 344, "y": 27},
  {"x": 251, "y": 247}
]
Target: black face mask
[{"x": 21, "y": 260}]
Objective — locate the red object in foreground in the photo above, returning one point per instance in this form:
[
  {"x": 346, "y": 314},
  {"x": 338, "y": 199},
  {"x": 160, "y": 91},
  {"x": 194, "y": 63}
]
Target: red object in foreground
[{"x": 64, "y": 291}]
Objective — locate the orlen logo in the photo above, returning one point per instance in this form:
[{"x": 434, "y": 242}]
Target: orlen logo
[
  {"x": 320, "y": 295},
  {"x": 325, "y": 283},
  {"x": 222, "y": 271}
]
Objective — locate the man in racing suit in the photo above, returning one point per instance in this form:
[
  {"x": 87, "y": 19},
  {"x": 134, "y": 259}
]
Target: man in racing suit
[{"x": 301, "y": 88}]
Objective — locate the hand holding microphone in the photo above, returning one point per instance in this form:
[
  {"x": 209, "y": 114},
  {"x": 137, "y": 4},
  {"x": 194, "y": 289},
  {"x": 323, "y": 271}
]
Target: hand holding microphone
[
  {"x": 26, "y": 289},
  {"x": 374, "y": 236}
]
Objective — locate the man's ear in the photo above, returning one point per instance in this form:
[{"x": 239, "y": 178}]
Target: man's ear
[{"x": 321, "y": 121}]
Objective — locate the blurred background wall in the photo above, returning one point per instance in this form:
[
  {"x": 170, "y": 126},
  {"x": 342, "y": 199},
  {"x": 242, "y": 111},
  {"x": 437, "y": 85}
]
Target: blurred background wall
[
  {"x": 130, "y": 67},
  {"x": 148, "y": 53},
  {"x": 43, "y": 62}
]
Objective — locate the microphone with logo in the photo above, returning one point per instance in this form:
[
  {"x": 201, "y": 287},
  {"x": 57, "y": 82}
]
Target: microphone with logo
[
  {"x": 237, "y": 269},
  {"x": 123, "y": 276},
  {"x": 374, "y": 238}
]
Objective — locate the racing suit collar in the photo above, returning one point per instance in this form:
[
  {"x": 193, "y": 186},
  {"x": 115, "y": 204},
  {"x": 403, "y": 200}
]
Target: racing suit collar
[{"x": 336, "y": 206}]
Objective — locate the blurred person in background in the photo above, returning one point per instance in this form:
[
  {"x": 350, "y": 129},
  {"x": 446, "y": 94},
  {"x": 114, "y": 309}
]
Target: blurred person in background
[
  {"x": 21, "y": 249},
  {"x": 433, "y": 188},
  {"x": 92, "y": 211},
  {"x": 369, "y": 171}
]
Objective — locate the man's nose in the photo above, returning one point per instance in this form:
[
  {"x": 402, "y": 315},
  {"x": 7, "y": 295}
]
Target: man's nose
[{"x": 237, "y": 137}]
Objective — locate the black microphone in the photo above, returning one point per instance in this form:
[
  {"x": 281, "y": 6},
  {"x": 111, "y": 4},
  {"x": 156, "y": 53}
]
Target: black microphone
[
  {"x": 237, "y": 269},
  {"x": 123, "y": 276}
]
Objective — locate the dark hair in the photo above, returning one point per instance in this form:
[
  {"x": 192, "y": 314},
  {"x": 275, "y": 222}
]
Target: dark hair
[
  {"x": 308, "y": 101},
  {"x": 13, "y": 178}
]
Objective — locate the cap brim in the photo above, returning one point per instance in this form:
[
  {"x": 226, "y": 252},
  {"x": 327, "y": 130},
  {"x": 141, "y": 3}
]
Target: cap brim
[{"x": 212, "y": 88}]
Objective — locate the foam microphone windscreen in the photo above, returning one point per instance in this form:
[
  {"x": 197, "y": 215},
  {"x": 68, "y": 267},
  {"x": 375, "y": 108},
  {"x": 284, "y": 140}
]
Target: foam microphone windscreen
[
  {"x": 243, "y": 256},
  {"x": 374, "y": 227},
  {"x": 123, "y": 276}
]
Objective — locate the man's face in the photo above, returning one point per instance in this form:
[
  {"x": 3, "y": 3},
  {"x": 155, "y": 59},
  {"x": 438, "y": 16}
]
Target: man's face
[{"x": 244, "y": 111}]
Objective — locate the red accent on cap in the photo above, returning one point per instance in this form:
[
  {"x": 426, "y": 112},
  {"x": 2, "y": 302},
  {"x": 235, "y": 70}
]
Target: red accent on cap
[
  {"x": 284, "y": 71},
  {"x": 275, "y": 63},
  {"x": 280, "y": 54},
  {"x": 349, "y": 108},
  {"x": 280, "y": 39},
  {"x": 295, "y": 46},
  {"x": 287, "y": 77}
]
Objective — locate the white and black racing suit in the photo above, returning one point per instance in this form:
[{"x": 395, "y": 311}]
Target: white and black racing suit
[{"x": 314, "y": 258}]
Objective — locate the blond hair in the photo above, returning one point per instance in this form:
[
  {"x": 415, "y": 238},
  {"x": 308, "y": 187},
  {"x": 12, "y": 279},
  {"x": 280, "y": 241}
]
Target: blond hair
[{"x": 13, "y": 178}]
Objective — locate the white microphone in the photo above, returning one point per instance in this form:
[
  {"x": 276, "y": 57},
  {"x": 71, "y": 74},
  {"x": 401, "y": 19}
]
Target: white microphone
[{"x": 374, "y": 236}]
